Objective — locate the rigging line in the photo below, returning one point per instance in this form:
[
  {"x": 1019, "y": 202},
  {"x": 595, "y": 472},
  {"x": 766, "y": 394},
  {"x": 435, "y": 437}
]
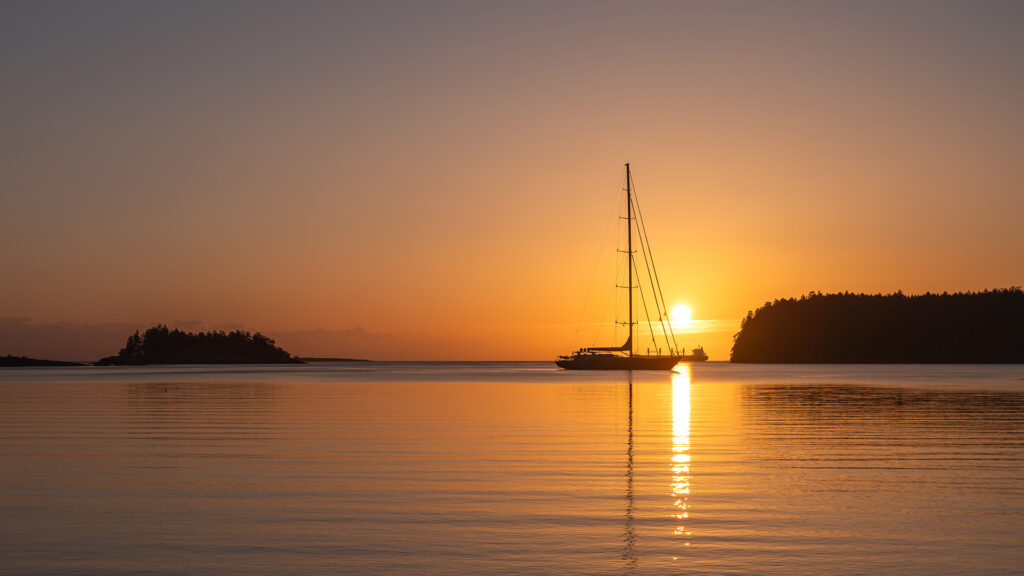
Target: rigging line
[
  {"x": 597, "y": 262},
  {"x": 657, "y": 285},
  {"x": 645, "y": 246},
  {"x": 650, "y": 253},
  {"x": 621, "y": 261},
  {"x": 613, "y": 294},
  {"x": 643, "y": 228},
  {"x": 646, "y": 311},
  {"x": 607, "y": 304},
  {"x": 619, "y": 298}
]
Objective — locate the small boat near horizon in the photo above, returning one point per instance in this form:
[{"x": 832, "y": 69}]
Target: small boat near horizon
[{"x": 624, "y": 357}]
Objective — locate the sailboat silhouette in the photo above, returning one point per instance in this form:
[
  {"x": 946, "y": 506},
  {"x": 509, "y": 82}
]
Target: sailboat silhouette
[{"x": 624, "y": 357}]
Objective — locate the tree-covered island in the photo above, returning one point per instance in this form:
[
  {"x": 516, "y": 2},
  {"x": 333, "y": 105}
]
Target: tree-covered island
[
  {"x": 160, "y": 345},
  {"x": 971, "y": 327}
]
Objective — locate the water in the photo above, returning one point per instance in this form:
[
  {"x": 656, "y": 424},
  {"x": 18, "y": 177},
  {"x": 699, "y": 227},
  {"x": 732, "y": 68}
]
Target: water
[{"x": 512, "y": 468}]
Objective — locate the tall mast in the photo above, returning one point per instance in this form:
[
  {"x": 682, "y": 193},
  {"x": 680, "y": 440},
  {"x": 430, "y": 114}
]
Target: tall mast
[{"x": 629, "y": 253}]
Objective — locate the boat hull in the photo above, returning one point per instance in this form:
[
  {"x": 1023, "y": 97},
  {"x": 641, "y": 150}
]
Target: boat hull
[{"x": 611, "y": 362}]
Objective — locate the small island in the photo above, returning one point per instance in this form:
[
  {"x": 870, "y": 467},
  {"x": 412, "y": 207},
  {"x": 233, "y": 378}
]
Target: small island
[
  {"x": 966, "y": 327},
  {"x": 24, "y": 361},
  {"x": 160, "y": 345}
]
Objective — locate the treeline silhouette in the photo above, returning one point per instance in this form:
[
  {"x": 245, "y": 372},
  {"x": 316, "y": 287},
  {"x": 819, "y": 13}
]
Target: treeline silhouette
[
  {"x": 160, "y": 345},
  {"x": 966, "y": 327},
  {"x": 20, "y": 361}
]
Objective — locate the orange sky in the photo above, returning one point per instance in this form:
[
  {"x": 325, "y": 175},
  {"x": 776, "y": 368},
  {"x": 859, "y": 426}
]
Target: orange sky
[{"x": 442, "y": 175}]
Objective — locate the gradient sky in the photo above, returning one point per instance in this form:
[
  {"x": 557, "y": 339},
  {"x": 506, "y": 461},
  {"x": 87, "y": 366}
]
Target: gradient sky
[{"x": 442, "y": 174}]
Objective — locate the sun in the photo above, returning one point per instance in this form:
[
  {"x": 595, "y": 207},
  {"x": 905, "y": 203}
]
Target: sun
[{"x": 681, "y": 314}]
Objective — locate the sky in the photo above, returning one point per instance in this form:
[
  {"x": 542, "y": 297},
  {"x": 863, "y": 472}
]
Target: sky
[{"x": 436, "y": 180}]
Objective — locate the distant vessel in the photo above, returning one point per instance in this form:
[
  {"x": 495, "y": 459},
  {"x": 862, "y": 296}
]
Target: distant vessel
[{"x": 623, "y": 357}]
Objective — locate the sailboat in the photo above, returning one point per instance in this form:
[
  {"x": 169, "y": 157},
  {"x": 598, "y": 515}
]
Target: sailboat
[{"x": 624, "y": 357}]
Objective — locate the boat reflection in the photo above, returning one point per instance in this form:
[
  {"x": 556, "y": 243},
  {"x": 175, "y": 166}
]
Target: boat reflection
[
  {"x": 680, "y": 466},
  {"x": 629, "y": 550},
  {"x": 681, "y": 449}
]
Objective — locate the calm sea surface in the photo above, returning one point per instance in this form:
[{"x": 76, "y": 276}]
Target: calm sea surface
[{"x": 512, "y": 468}]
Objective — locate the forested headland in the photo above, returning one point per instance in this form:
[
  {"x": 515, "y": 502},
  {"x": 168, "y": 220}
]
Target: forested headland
[
  {"x": 24, "y": 361},
  {"x": 160, "y": 345},
  {"x": 965, "y": 327}
]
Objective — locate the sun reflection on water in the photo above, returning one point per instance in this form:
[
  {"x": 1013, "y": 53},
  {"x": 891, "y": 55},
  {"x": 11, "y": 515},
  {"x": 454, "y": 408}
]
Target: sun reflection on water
[{"x": 681, "y": 448}]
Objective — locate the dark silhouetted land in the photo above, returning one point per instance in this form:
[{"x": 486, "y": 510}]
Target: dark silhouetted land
[
  {"x": 972, "y": 327},
  {"x": 311, "y": 359},
  {"x": 22, "y": 361},
  {"x": 159, "y": 345}
]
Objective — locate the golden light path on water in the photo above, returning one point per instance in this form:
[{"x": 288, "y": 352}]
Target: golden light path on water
[
  {"x": 512, "y": 468},
  {"x": 681, "y": 448}
]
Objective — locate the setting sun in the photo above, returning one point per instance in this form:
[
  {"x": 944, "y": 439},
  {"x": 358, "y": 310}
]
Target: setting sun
[{"x": 681, "y": 315}]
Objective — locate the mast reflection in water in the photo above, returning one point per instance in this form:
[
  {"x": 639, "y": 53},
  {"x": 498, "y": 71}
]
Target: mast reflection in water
[
  {"x": 629, "y": 550},
  {"x": 681, "y": 448}
]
